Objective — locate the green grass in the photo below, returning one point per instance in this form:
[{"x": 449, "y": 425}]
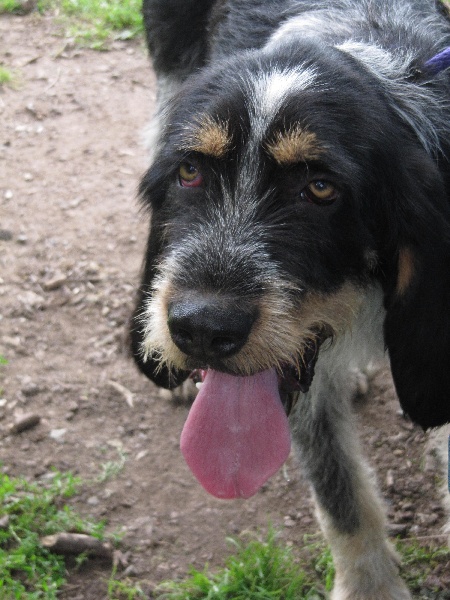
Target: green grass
[
  {"x": 30, "y": 511},
  {"x": 6, "y": 78},
  {"x": 266, "y": 570},
  {"x": 112, "y": 468},
  {"x": 123, "y": 590},
  {"x": 419, "y": 560},
  {"x": 95, "y": 23},
  {"x": 9, "y": 6},
  {"x": 261, "y": 570},
  {"x": 91, "y": 23}
]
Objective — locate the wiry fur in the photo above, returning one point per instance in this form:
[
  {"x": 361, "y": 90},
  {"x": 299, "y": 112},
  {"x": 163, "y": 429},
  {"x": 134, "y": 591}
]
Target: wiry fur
[{"x": 262, "y": 99}]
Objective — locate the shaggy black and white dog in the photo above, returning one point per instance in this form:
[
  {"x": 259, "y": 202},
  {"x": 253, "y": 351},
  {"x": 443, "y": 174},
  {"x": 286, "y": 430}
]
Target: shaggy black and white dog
[{"x": 300, "y": 228}]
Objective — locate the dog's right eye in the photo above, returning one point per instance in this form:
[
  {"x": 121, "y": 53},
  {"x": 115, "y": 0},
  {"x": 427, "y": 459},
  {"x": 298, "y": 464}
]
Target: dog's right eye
[
  {"x": 189, "y": 175},
  {"x": 320, "y": 192}
]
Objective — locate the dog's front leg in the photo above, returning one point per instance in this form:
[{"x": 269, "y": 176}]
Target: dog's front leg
[{"x": 348, "y": 505}]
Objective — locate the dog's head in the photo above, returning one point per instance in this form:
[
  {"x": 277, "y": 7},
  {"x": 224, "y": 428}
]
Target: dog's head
[{"x": 286, "y": 181}]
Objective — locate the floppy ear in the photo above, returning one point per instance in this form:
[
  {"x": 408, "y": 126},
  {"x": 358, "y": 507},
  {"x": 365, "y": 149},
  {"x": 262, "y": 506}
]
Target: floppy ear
[
  {"x": 417, "y": 324},
  {"x": 161, "y": 375}
]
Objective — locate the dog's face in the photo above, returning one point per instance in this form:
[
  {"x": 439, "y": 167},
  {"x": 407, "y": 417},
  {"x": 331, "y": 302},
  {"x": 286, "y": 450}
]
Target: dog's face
[{"x": 274, "y": 198}]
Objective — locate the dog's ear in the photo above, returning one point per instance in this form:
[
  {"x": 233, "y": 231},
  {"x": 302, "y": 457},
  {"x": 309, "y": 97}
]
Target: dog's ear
[
  {"x": 149, "y": 365},
  {"x": 417, "y": 298}
]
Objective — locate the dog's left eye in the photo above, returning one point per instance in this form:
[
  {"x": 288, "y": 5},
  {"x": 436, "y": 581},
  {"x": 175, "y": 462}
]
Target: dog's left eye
[
  {"x": 189, "y": 175},
  {"x": 320, "y": 192}
]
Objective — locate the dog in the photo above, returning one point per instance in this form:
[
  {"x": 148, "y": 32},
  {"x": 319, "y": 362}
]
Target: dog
[{"x": 300, "y": 228}]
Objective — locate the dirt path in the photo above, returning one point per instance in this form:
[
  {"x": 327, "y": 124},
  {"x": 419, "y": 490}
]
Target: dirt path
[{"x": 71, "y": 242}]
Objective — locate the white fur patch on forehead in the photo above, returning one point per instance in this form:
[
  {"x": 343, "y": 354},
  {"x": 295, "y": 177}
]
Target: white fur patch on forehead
[
  {"x": 273, "y": 88},
  {"x": 269, "y": 90}
]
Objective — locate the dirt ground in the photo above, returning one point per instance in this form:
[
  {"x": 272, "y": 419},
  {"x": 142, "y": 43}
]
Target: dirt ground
[{"x": 71, "y": 243}]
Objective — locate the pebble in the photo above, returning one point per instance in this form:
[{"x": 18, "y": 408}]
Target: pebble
[
  {"x": 404, "y": 516},
  {"x": 30, "y": 389},
  {"x": 6, "y": 235},
  {"x": 55, "y": 282},
  {"x": 11, "y": 342},
  {"x": 395, "y": 529},
  {"x": 4, "y": 522},
  {"x": 31, "y": 300},
  {"x": 24, "y": 422},
  {"x": 57, "y": 434}
]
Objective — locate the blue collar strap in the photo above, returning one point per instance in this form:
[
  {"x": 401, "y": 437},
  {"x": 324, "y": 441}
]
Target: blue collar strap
[{"x": 440, "y": 62}]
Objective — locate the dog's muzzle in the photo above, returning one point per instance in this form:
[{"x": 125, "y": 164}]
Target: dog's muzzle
[{"x": 237, "y": 433}]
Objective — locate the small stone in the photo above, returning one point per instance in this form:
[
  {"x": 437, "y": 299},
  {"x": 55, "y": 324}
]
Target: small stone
[
  {"x": 73, "y": 406},
  {"x": 289, "y": 522},
  {"x": 390, "y": 482},
  {"x": 5, "y": 235},
  {"x": 55, "y": 282},
  {"x": 11, "y": 342},
  {"x": 24, "y": 422},
  {"x": 22, "y": 239},
  {"x": 30, "y": 389},
  {"x": 57, "y": 434},
  {"x": 31, "y": 299},
  {"x": 4, "y": 522},
  {"x": 397, "y": 529},
  {"x": 404, "y": 516}
]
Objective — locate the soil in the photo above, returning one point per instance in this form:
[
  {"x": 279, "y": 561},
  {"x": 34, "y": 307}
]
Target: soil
[{"x": 71, "y": 244}]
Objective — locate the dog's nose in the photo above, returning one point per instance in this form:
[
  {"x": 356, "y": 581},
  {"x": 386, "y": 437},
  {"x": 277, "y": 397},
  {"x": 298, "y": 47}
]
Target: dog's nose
[{"x": 208, "y": 329}]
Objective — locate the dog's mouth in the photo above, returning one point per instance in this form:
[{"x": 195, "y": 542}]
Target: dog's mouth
[{"x": 237, "y": 433}]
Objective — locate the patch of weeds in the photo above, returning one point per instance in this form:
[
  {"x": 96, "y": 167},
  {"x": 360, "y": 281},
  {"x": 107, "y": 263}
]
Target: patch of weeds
[
  {"x": 28, "y": 512},
  {"x": 112, "y": 468},
  {"x": 262, "y": 570},
  {"x": 10, "y": 6},
  {"x": 123, "y": 590},
  {"x": 94, "y": 23},
  {"x": 10, "y": 79},
  {"x": 319, "y": 556},
  {"x": 418, "y": 561},
  {"x": 5, "y": 78}
]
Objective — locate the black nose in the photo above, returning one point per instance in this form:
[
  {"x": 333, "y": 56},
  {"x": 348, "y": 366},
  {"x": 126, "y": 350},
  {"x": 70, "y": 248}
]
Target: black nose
[{"x": 208, "y": 329}]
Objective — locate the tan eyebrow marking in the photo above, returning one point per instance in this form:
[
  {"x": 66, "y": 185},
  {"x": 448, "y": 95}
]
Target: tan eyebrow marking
[
  {"x": 294, "y": 145},
  {"x": 209, "y": 137},
  {"x": 406, "y": 270}
]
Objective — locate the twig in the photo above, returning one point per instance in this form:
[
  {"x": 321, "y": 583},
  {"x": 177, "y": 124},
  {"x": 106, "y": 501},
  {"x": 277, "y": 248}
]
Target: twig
[
  {"x": 77, "y": 543},
  {"x": 24, "y": 422},
  {"x": 54, "y": 82},
  {"x": 129, "y": 397}
]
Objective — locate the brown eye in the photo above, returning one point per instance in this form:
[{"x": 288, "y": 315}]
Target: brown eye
[
  {"x": 189, "y": 175},
  {"x": 320, "y": 192}
]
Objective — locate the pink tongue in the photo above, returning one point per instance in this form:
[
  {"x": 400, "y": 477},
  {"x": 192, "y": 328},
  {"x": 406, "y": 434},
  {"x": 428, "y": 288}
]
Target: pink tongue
[{"x": 237, "y": 434}]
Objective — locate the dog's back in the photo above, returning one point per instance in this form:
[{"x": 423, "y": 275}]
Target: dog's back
[{"x": 182, "y": 35}]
